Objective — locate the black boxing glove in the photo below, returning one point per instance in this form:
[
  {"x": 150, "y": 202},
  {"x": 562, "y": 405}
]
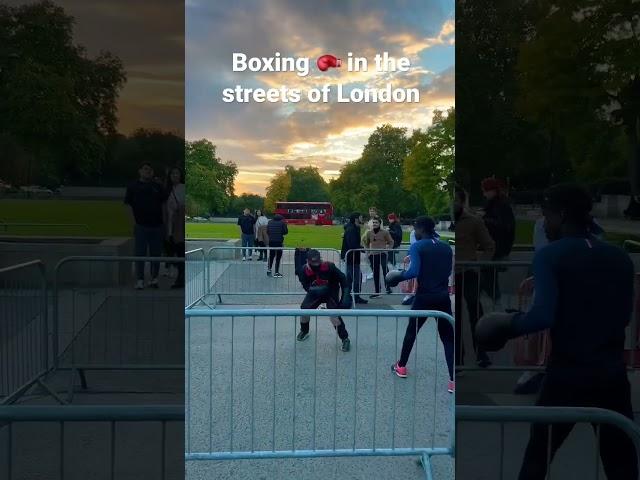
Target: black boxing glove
[{"x": 493, "y": 330}]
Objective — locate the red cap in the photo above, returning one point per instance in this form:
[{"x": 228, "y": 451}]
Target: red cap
[
  {"x": 392, "y": 216},
  {"x": 491, "y": 183}
]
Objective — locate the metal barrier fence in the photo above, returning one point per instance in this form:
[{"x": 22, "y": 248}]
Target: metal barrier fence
[
  {"x": 487, "y": 286},
  {"x": 253, "y": 391},
  {"x": 366, "y": 269},
  {"x": 100, "y": 322},
  {"x": 109, "y": 442},
  {"x": 482, "y": 287},
  {"x": 551, "y": 416},
  {"x": 24, "y": 335},
  {"x": 230, "y": 279},
  {"x": 196, "y": 276}
]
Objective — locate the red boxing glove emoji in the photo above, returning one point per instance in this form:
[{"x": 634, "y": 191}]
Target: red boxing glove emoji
[{"x": 327, "y": 61}]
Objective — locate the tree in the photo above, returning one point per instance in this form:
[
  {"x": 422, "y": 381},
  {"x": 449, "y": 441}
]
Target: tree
[
  {"x": 57, "y": 105},
  {"x": 376, "y": 178},
  {"x": 580, "y": 75},
  {"x": 246, "y": 200},
  {"x": 303, "y": 184},
  {"x": 210, "y": 181},
  {"x": 429, "y": 167},
  {"x": 278, "y": 190}
]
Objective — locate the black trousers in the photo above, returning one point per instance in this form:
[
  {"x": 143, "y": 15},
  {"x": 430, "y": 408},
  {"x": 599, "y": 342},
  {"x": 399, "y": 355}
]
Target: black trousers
[
  {"x": 467, "y": 281},
  {"x": 261, "y": 251},
  {"x": 617, "y": 451},
  {"x": 311, "y": 302},
  {"x": 177, "y": 250},
  {"x": 275, "y": 252},
  {"x": 354, "y": 277},
  {"x": 445, "y": 329},
  {"x": 378, "y": 261}
]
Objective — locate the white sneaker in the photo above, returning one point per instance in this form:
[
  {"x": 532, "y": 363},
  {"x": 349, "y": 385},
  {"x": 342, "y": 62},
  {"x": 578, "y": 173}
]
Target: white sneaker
[
  {"x": 139, "y": 285},
  {"x": 244, "y": 259},
  {"x": 369, "y": 276}
]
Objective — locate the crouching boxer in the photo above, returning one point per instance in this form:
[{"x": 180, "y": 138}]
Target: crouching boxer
[{"x": 324, "y": 283}]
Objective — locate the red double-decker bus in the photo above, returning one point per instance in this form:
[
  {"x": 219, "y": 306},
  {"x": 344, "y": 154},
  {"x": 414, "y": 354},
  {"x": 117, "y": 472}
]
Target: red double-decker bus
[{"x": 306, "y": 213}]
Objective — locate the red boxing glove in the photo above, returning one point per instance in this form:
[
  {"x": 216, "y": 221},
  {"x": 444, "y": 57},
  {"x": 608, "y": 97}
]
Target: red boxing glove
[{"x": 327, "y": 61}]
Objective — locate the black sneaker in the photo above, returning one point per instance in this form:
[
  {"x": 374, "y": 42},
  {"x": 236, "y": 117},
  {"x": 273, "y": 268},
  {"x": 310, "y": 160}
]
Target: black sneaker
[
  {"x": 483, "y": 360},
  {"x": 388, "y": 291},
  {"x": 268, "y": 273},
  {"x": 302, "y": 336},
  {"x": 346, "y": 345}
]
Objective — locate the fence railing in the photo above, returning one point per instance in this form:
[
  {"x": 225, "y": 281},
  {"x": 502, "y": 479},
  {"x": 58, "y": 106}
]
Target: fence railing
[
  {"x": 230, "y": 279},
  {"x": 139, "y": 442},
  {"x": 24, "y": 335},
  {"x": 254, "y": 391},
  {"x": 553, "y": 417},
  {"x": 100, "y": 322},
  {"x": 196, "y": 276}
]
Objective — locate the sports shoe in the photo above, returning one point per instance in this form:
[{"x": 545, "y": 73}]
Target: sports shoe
[
  {"x": 268, "y": 273},
  {"x": 153, "y": 283},
  {"x": 278, "y": 275},
  {"x": 400, "y": 371},
  {"x": 451, "y": 387},
  {"x": 244, "y": 259},
  {"x": 375, "y": 295},
  {"x": 346, "y": 345},
  {"x": 389, "y": 291},
  {"x": 302, "y": 336},
  {"x": 139, "y": 285},
  {"x": 483, "y": 360}
]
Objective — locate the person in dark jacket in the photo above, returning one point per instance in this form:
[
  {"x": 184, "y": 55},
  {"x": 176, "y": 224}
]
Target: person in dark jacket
[
  {"x": 395, "y": 230},
  {"x": 276, "y": 231},
  {"x": 246, "y": 221},
  {"x": 323, "y": 282},
  {"x": 501, "y": 223},
  {"x": 584, "y": 294},
  {"x": 351, "y": 241}
]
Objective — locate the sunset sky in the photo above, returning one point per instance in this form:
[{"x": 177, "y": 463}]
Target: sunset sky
[{"x": 261, "y": 138}]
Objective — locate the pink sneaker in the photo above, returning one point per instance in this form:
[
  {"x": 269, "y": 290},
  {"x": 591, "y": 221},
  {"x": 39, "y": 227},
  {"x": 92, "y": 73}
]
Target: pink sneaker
[
  {"x": 400, "y": 371},
  {"x": 451, "y": 388}
]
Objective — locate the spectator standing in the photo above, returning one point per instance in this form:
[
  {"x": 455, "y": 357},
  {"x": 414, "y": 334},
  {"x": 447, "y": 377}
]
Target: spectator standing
[
  {"x": 395, "y": 230},
  {"x": 350, "y": 242},
  {"x": 246, "y": 221},
  {"x": 276, "y": 230},
  {"x": 378, "y": 240},
  {"x": 262, "y": 238},
  {"x": 146, "y": 197},
  {"x": 501, "y": 223},
  {"x": 175, "y": 208},
  {"x": 471, "y": 236}
]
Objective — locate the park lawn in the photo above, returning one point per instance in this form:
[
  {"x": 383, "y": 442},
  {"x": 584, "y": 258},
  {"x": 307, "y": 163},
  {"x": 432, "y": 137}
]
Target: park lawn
[
  {"x": 98, "y": 218},
  {"x": 299, "y": 235},
  {"x": 524, "y": 234}
]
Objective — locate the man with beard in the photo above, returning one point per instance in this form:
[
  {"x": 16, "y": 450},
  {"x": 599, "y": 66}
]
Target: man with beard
[
  {"x": 471, "y": 236},
  {"x": 584, "y": 294},
  {"x": 351, "y": 253},
  {"x": 431, "y": 263}
]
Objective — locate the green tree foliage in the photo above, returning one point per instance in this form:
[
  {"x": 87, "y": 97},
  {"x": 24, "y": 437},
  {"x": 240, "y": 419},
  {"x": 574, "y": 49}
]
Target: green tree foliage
[
  {"x": 278, "y": 190},
  {"x": 580, "y": 77},
  {"x": 303, "y": 184},
  {"x": 57, "y": 105},
  {"x": 377, "y": 177},
  {"x": 246, "y": 200},
  {"x": 429, "y": 167},
  {"x": 209, "y": 180}
]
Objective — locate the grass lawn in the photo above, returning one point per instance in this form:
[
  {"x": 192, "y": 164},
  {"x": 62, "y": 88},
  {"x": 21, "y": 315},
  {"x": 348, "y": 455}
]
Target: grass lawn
[
  {"x": 99, "y": 218},
  {"x": 299, "y": 235},
  {"x": 524, "y": 234}
]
